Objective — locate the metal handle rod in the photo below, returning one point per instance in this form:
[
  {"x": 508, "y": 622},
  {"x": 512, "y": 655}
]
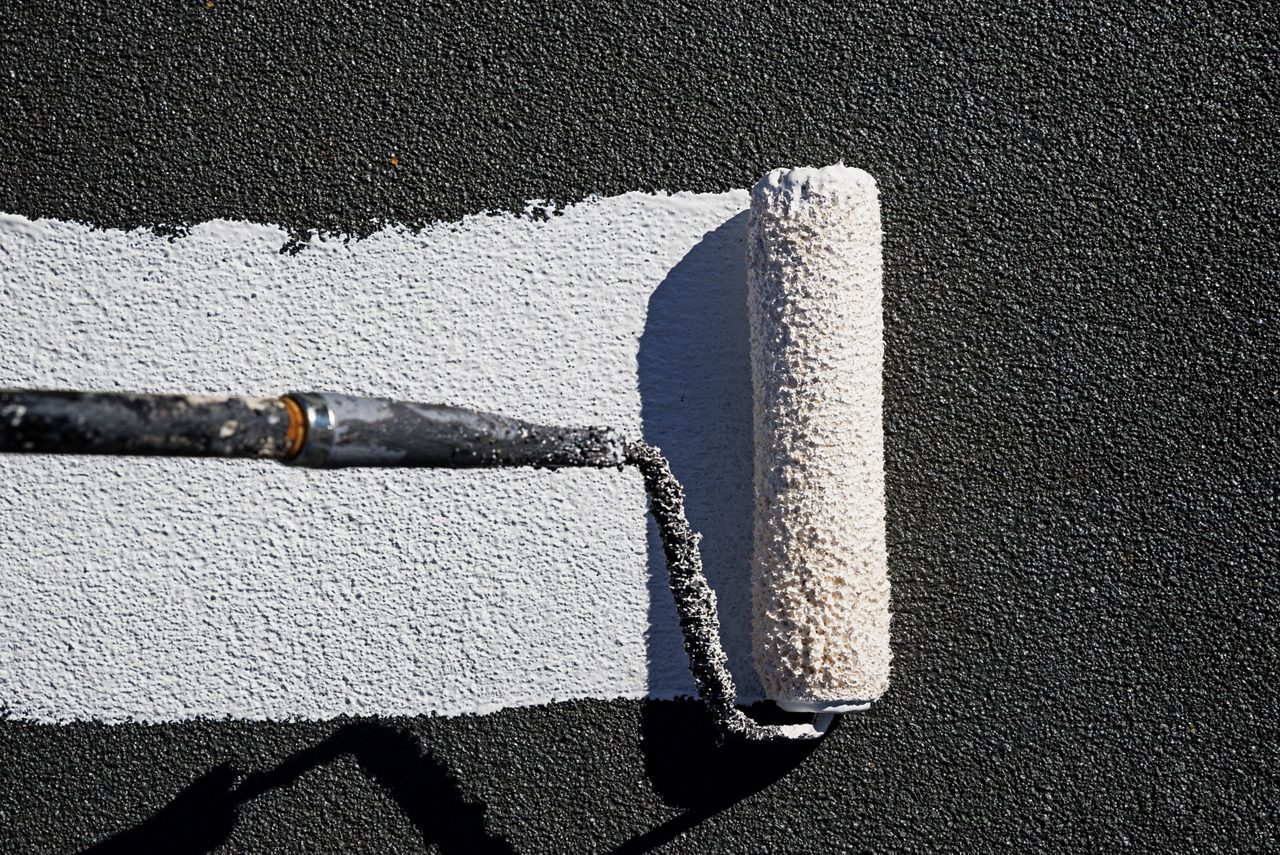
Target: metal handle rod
[
  {"x": 316, "y": 429},
  {"x": 350, "y": 431}
]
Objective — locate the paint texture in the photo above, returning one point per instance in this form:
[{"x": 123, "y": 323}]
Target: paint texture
[
  {"x": 156, "y": 590},
  {"x": 1079, "y": 210}
]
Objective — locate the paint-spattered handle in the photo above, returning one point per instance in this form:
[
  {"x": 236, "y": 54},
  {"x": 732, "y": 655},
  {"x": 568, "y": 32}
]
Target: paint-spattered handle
[
  {"x": 65, "y": 422},
  {"x": 315, "y": 429},
  {"x": 344, "y": 430}
]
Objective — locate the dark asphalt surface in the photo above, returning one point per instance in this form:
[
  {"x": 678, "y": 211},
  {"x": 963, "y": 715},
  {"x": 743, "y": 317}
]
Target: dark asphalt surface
[{"x": 1082, "y": 307}]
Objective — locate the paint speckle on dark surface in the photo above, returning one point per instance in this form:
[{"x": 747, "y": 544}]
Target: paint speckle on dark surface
[{"x": 1080, "y": 306}]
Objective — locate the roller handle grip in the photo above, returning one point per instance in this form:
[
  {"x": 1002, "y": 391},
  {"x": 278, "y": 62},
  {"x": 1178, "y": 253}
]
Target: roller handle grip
[{"x": 61, "y": 422}]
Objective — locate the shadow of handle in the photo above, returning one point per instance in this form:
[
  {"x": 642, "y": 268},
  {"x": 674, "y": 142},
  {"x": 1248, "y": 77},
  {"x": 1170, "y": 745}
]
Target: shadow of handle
[{"x": 203, "y": 816}]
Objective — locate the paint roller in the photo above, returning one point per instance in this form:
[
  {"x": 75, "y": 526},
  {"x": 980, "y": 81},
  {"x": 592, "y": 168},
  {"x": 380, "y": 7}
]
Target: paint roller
[
  {"x": 820, "y": 583},
  {"x": 820, "y": 587}
]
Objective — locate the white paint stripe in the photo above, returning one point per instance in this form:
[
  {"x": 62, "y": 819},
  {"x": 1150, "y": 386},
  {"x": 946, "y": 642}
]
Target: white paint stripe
[{"x": 159, "y": 590}]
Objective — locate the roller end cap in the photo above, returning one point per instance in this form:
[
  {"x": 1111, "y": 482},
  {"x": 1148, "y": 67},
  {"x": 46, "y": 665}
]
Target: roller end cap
[{"x": 822, "y": 707}]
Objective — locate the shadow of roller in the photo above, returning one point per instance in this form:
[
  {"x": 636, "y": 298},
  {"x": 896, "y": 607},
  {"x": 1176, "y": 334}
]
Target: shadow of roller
[
  {"x": 695, "y": 388},
  {"x": 694, "y": 368},
  {"x": 203, "y": 816},
  {"x": 689, "y": 771}
]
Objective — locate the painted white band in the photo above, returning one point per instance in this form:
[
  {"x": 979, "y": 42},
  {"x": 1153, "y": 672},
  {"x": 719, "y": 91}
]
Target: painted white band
[{"x": 164, "y": 589}]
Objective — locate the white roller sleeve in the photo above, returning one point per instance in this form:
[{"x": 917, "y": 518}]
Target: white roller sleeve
[{"x": 820, "y": 582}]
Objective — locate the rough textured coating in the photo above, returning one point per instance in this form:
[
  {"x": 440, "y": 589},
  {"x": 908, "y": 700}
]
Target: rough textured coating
[
  {"x": 1080, "y": 357},
  {"x": 820, "y": 582},
  {"x": 274, "y": 593}
]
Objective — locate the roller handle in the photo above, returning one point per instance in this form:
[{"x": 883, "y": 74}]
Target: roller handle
[
  {"x": 57, "y": 422},
  {"x": 315, "y": 429}
]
